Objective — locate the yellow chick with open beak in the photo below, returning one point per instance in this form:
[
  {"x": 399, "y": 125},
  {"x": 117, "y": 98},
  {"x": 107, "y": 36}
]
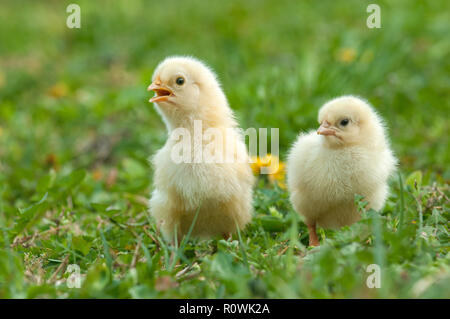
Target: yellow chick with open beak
[
  {"x": 349, "y": 154},
  {"x": 210, "y": 187}
]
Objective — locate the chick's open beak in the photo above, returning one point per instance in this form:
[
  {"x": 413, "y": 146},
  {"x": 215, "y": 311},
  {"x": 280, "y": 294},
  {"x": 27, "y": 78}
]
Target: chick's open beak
[
  {"x": 162, "y": 93},
  {"x": 326, "y": 129}
]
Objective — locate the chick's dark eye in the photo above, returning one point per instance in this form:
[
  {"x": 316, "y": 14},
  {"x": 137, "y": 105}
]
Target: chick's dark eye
[
  {"x": 344, "y": 122},
  {"x": 180, "y": 81}
]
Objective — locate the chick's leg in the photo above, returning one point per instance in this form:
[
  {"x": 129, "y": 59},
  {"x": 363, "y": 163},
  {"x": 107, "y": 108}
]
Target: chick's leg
[
  {"x": 313, "y": 239},
  {"x": 227, "y": 236}
]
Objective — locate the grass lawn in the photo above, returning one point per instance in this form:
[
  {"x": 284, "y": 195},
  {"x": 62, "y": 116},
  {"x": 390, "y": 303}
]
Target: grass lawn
[{"x": 76, "y": 132}]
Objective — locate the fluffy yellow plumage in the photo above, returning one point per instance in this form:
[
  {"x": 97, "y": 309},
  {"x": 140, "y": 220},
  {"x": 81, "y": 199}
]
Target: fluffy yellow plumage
[
  {"x": 348, "y": 155},
  {"x": 188, "y": 92}
]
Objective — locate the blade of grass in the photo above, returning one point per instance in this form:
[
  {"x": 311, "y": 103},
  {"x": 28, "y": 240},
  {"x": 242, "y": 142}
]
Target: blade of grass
[
  {"x": 241, "y": 246},
  {"x": 402, "y": 202},
  {"x": 106, "y": 253},
  {"x": 293, "y": 241},
  {"x": 148, "y": 259},
  {"x": 379, "y": 251},
  {"x": 179, "y": 250},
  {"x": 70, "y": 251}
]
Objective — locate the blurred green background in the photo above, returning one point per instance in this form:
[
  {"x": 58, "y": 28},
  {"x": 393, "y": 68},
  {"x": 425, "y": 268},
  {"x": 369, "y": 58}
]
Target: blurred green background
[{"x": 76, "y": 129}]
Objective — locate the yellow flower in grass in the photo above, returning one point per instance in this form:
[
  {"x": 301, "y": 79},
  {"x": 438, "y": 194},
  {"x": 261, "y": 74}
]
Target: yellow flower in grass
[
  {"x": 97, "y": 175},
  {"x": 278, "y": 172},
  {"x": 346, "y": 55},
  {"x": 279, "y": 176},
  {"x": 58, "y": 90},
  {"x": 256, "y": 165}
]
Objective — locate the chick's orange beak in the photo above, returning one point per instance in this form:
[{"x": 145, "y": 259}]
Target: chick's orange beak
[
  {"x": 326, "y": 129},
  {"x": 162, "y": 93}
]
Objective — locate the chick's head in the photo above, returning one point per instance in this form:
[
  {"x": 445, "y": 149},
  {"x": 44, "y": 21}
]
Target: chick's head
[
  {"x": 347, "y": 121},
  {"x": 185, "y": 87}
]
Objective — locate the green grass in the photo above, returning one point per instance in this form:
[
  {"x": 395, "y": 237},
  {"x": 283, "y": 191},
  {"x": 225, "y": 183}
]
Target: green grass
[{"x": 76, "y": 131}]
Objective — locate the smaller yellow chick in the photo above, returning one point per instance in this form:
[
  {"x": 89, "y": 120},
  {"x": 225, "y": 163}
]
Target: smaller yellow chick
[
  {"x": 349, "y": 154},
  {"x": 215, "y": 182}
]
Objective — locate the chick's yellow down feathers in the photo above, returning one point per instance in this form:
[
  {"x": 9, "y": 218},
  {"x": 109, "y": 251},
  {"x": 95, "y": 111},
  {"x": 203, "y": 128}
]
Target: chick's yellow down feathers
[
  {"x": 349, "y": 154},
  {"x": 219, "y": 192}
]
